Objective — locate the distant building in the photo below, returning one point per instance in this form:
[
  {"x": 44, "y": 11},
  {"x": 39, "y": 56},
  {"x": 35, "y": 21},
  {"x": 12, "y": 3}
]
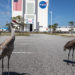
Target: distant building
[
  {"x": 3, "y": 29},
  {"x": 64, "y": 29},
  {"x": 34, "y": 12}
]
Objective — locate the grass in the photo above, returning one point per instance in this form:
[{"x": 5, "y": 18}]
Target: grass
[
  {"x": 63, "y": 34},
  {"x": 17, "y": 34},
  {"x": 28, "y": 34},
  {"x": 67, "y": 35},
  {"x": 22, "y": 34}
]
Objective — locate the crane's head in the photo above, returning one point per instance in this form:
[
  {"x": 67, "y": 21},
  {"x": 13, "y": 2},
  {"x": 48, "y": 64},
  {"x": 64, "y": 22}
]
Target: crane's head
[
  {"x": 64, "y": 48},
  {"x": 67, "y": 45}
]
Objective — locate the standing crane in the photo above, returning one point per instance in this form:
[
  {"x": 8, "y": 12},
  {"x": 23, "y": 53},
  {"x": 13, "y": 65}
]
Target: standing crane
[
  {"x": 70, "y": 45},
  {"x": 7, "y": 48}
]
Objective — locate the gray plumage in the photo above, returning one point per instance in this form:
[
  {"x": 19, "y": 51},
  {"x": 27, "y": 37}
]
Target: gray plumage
[
  {"x": 7, "y": 48},
  {"x": 70, "y": 45}
]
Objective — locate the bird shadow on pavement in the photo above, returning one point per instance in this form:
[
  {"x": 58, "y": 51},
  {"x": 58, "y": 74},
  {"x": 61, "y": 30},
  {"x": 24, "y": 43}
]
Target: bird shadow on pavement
[
  {"x": 69, "y": 62},
  {"x": 15, "y": 73}
]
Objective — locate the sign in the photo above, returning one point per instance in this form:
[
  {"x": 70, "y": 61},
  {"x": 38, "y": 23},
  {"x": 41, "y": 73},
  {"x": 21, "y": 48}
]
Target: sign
[
  {"x": 29, "y": 21},
  {"x": 43, "y": 4}
]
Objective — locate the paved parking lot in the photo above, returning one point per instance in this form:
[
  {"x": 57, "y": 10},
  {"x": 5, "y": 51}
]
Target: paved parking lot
[{"x": 39, "y": 54}]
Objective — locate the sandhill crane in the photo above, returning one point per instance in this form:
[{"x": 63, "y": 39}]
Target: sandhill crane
[
  {"x": 7, "y": 47},
  {"x": 70, "y": 45}
]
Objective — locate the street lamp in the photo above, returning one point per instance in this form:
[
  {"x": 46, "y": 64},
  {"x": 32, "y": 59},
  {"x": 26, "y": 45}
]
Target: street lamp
[{"x": 51, "y": 20}]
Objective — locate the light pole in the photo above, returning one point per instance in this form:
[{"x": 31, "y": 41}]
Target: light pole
[{"x": 51, "y": 20}]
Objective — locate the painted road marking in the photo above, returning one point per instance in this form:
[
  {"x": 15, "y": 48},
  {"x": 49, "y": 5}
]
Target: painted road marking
[{"x": 22, "y": 52}]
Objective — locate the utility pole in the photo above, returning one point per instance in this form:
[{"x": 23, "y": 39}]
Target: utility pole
[{"x": 51, "y": 20}]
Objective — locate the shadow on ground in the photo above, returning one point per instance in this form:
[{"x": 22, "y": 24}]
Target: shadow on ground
[
  {"x": 14, "y": 73},
  {"x": 70, "y": 62}
]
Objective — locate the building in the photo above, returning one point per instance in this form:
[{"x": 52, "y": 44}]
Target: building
[
  {"x": 65, "y": 29},
  {"x": 34, "y": 12}
]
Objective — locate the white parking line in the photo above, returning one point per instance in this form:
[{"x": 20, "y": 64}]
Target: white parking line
[{"x": 22, "y": 52}]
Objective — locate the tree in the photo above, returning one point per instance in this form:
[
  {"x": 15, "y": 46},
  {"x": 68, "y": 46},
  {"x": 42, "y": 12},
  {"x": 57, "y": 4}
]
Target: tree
[
  {"x": 9, "y": 28},
  {"x": 71, "y": 25},
  {"x": 20, "y": 21},
  {"x": 54, "y": 26},
  {"x": 49, "y": 27}
]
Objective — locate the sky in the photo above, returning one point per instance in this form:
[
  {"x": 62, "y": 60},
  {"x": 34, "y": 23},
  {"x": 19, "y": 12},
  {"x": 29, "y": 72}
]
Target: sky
[
  {"x": 63, "y": 12},
  {"x": 5, "y": 12}
]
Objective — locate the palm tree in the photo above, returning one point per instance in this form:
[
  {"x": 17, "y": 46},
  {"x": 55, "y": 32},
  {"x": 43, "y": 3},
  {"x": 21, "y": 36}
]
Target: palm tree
[
  {"x": 54, "y": 26},
  {"x": 18, "y": 19},
  {"x": 20, "y": 22},
  {"x": 49, "y": 27},
  {"x": 71, "y": 24},
  {"x": 9, "y": 28}
]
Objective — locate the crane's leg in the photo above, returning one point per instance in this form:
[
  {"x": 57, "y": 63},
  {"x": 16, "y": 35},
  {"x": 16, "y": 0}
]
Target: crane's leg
[
  {"x": 69, "y": 54},
  {"x": 73, "y": 55},
  {"x": 2, "y": 65},
  {"x": 8, "y": 64}
]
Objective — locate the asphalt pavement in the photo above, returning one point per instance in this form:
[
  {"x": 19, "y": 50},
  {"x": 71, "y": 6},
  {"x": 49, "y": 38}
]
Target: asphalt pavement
[{"x": 39, "y": 54}]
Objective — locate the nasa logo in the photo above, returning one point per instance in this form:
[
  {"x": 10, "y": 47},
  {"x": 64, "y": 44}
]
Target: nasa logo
[{"x": 43, "y": 4}]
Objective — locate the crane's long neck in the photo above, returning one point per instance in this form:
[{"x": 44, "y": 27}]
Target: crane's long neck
[
  {"x": 12, "y": 31},
  {"x": 3, "y": 45}
]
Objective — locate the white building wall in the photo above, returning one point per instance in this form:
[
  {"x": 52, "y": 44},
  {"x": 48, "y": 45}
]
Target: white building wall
[
  {"x": 43, "y": 16},
  {"x": 63, "y": 29},
  {"x": 30, "y": 13}
]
